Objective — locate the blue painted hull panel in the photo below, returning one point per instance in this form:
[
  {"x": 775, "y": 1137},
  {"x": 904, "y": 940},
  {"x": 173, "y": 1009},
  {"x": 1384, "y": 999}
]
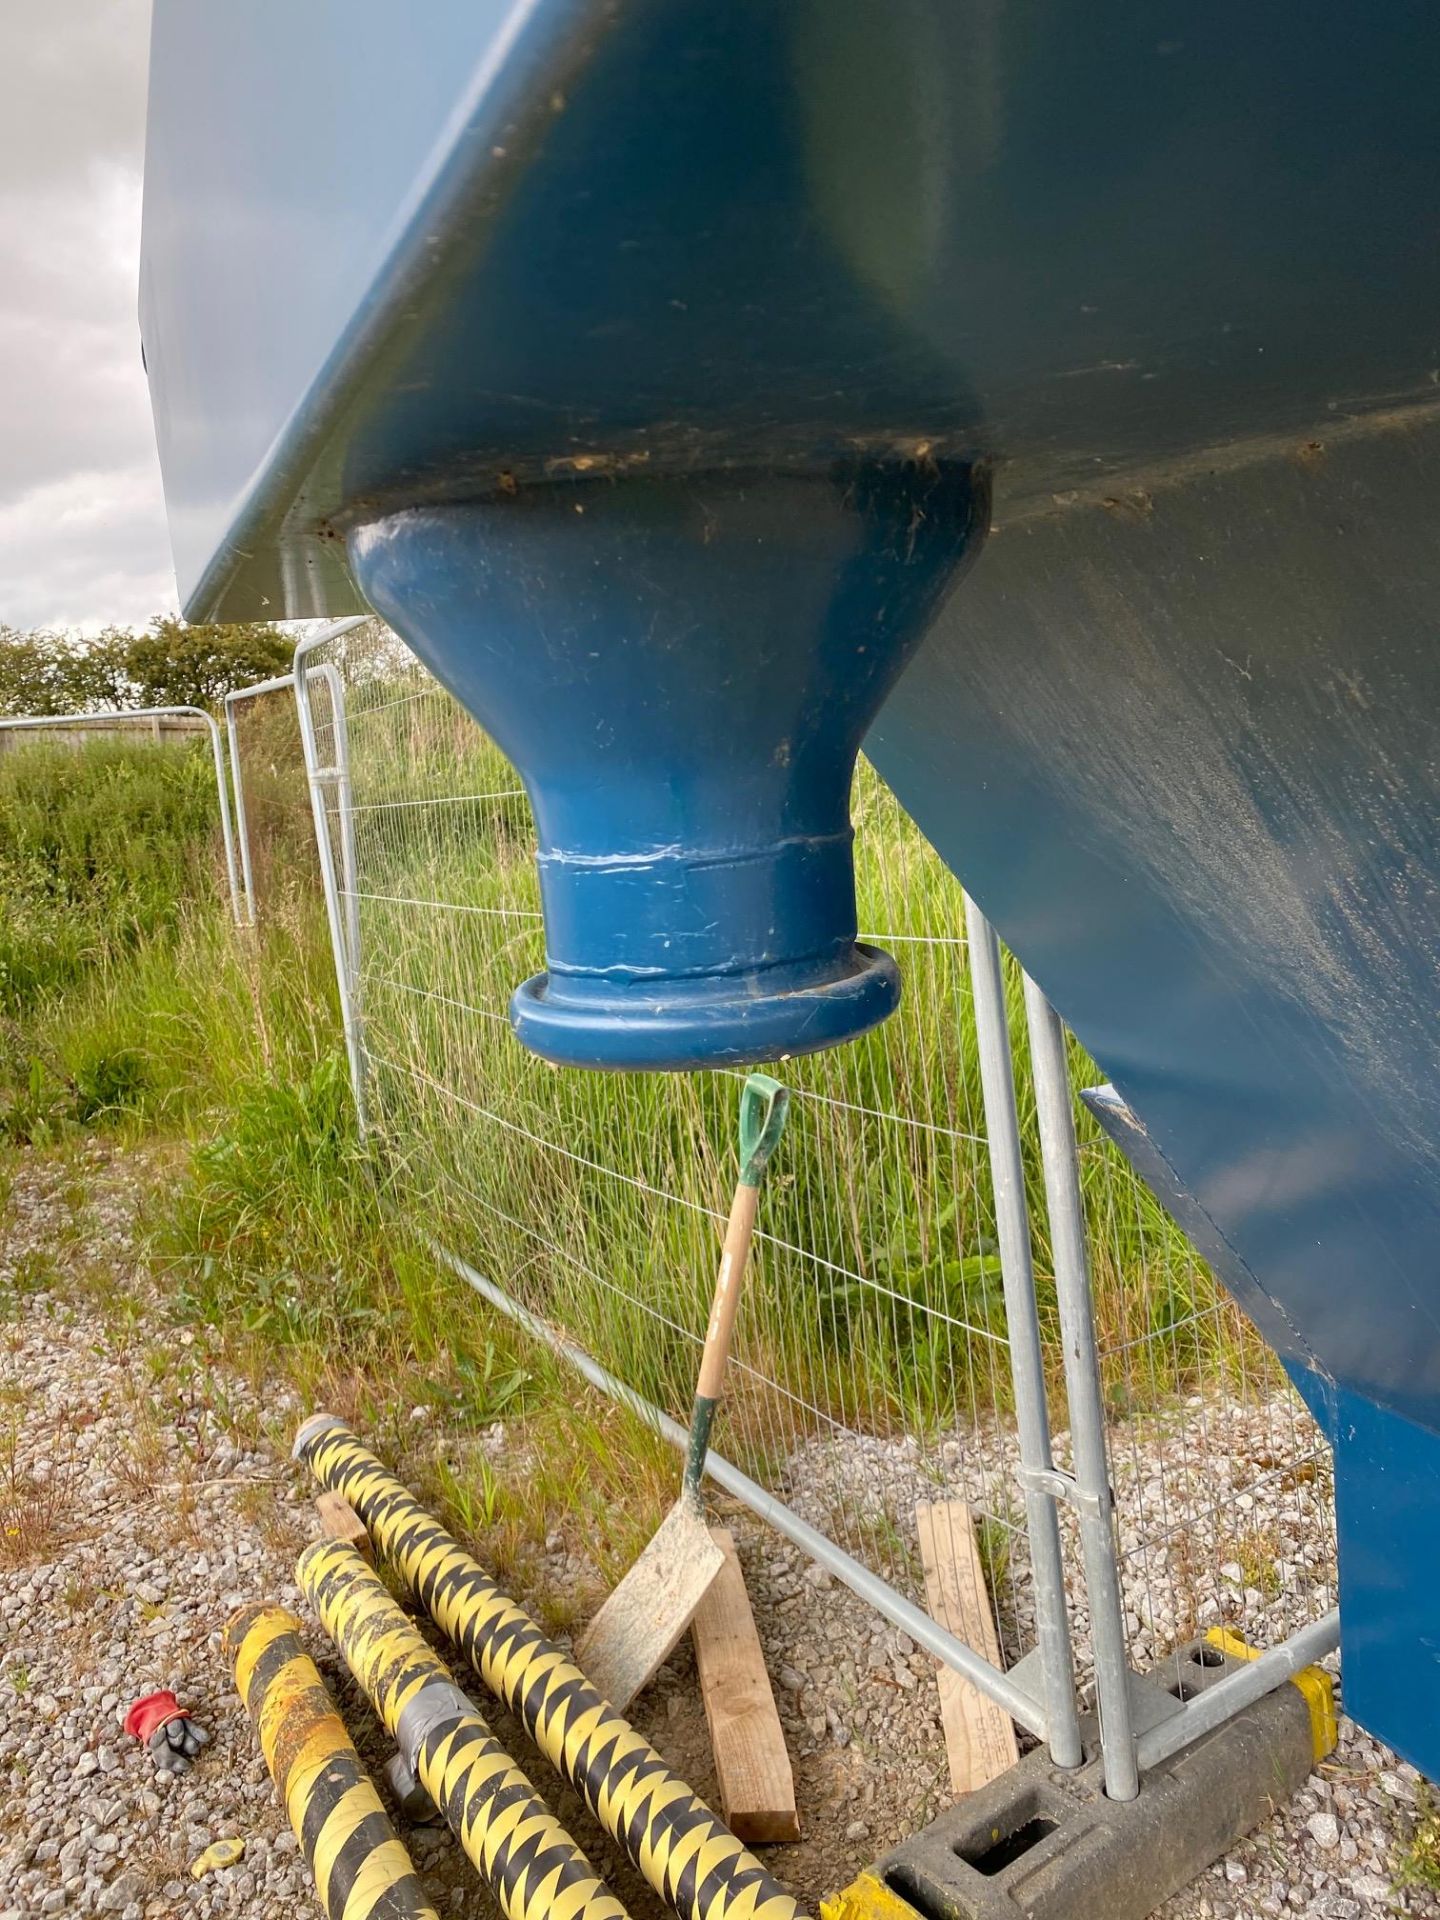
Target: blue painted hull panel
[
  {"x": 1184, "y": 747},
  {"x": 438, "y": 245},
  {"x": 1187, "y": 754},
  {"x": 1387, "y": 1470}
]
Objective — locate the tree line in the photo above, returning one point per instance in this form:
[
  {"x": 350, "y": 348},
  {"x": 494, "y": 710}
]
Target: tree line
[{"x": 167, "y": 664}]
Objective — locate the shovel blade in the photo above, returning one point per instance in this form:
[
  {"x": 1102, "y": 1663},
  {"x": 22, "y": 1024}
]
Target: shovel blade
[{"x": 642, "y": 1622}]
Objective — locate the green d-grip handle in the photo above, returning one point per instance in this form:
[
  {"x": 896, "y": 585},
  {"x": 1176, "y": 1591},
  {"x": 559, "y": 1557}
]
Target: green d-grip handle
[{"x": 764, "y": 1105}]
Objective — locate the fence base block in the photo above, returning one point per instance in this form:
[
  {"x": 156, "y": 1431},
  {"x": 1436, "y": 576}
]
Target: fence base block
[{"x": 1047, "y": 1844}]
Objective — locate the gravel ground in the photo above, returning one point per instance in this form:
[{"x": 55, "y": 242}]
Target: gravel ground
[{"x": 145, "y": 1492}]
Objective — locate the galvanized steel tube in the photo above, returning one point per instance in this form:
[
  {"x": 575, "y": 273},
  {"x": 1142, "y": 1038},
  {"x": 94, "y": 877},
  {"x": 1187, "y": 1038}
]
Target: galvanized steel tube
[
  {"x": 338, "y": 925},
  {"x": 345, "y": 812},
  {"x": 237, "y": 775},
  {"x": 1094, "y": 1504},
  {"x": 1222, "y": 1701},
  {"x": 1032, "y": 1422}
]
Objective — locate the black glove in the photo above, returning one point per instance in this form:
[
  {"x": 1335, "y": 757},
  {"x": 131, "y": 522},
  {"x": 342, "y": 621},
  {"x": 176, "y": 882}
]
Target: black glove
[{"x": 174, "y": 1745}]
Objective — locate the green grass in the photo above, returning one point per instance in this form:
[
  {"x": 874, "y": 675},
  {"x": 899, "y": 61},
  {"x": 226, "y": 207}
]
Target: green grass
[
  {"x": 156, "y": 1033},
  {"x": 99, "y": 848},
  {"x": 128, "y": 1003},
  {"x": 127, "y": 999}
]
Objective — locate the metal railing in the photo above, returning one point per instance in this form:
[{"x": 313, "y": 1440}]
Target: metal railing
[
  {"x": 328, "y": 780},
  {"x": 913, "y": 1231},
  {"x": 281, "y": 683}
]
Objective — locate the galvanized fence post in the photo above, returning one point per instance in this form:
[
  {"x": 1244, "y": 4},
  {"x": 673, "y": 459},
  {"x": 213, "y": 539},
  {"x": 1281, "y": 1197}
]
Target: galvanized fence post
[
  {"x": 237, "y": 773},
  {"x": 345, "y": 810},
  {"x": 227, "y": 833},
  {"x": 242, "y": 825},
  {"x": 1027, "y": 1366},
  {"x": 320, "y": 776},
  {"x": 1089, "y": 1487}
]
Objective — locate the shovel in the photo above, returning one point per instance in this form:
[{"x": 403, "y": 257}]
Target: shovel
[{"x": 642, "y": 1622}]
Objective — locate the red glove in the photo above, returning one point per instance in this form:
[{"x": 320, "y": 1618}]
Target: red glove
[{"x": 156, "y": 1720}]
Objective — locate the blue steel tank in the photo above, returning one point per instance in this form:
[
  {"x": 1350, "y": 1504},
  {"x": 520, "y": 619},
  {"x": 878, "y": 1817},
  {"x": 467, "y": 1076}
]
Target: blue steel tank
[{"x": 659, "y": 369}]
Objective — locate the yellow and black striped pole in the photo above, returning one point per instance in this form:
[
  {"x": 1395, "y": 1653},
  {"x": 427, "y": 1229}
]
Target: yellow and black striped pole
[
  {"x": 361, "y": 1870},
  {"x": 688, "y": 1855},
  {"x": 518, "y": 1846}
]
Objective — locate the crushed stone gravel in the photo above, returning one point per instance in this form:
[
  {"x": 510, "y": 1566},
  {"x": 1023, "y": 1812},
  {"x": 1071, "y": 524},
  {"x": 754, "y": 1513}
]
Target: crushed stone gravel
[{"x": 146, "y": 1491}]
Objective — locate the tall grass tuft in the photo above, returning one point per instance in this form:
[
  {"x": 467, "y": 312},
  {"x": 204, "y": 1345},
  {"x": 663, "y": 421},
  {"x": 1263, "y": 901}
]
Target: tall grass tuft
[
  {"x": 99, "y": 849},
  {"x": 876, "y": 1301}
]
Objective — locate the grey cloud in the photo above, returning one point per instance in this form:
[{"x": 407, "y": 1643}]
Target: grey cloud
[
  {"x": 76, "y": 86},
  {"x": 82, "y": 551},
  {"x": 82, "y": 528}
]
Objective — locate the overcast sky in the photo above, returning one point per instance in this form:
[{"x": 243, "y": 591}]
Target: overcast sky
[{"x": 82, "y": 523}]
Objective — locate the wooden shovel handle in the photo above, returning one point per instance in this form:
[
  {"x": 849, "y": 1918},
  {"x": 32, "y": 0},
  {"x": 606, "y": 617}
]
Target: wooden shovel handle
[
  {"x": 726, "y": 1299},
  {"x": 763, "y": 1106}
]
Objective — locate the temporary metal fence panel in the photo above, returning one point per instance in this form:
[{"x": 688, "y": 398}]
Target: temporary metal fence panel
[
  {"x": 280, "y": 694},
  {"x": 263, "y": 728},
  {"x": 325, "y": 745},
  {"x": 74, "y": 730},
  {"x": 912, "y": 1331},
  {"x": 875, "y": 1366},
  {"x": 888, "y": 1355},
  {"x": 153, "y": 719}
]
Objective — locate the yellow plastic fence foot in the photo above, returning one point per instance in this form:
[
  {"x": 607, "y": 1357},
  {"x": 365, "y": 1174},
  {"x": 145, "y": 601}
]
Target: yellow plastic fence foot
[
  {"x": 867, "y": 1898},
  {"x": 1314, "y": 1682}
]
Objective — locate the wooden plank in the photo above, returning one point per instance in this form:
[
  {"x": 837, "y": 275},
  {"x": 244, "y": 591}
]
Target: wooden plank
[
  {"x": 341, "y": 1522},
  {"x": 979, "y": 1735},
  {"x": 752, "y": 1765}
]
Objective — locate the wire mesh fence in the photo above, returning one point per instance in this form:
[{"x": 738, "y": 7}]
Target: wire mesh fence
[
  {"x": 277, "y": 841},
  {"x": 160, "y": 727},
  {"x": 872, "y": 1367}
]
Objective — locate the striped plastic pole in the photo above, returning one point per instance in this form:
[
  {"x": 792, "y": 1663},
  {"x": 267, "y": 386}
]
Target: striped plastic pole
[
  {"x": 361, "y": 1870},
  {"x": 518, "y": 1846},
  {"x": 688, "y": 1855}
]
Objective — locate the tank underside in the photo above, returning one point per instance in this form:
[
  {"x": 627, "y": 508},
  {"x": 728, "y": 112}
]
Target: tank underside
[{"x": 1170, "y": 273}]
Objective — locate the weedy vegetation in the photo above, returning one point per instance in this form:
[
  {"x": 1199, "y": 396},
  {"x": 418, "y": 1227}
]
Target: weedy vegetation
[
  {"x": 34, "y": 1502},
  {"x": 1416, "y": 1864},
  {"x": 129, "y": 1005}
]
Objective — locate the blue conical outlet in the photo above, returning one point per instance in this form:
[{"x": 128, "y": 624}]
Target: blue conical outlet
[{"x": 682, "y": 671}]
